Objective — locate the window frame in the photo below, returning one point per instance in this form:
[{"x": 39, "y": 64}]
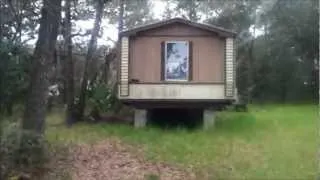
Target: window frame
[{"x": 165, "y": 62}]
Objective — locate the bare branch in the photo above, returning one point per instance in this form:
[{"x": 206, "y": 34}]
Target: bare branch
[{"x": 81, "y": 34}]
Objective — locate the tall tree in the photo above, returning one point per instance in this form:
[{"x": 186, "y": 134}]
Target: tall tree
[
  {"x": 239, "y": 16},
  {"x": 69, "y": 81},
  {"x": 92, "y": 46},
  {"x": 189, "y": 9},
  {"x": 168, "y": 11},
  {"x": 43, "y": 57},
  {"x": 19, "y": 20},
  {"x": 135, "y": 13},
  {"x": 279, "y": 62},
  {"x": 13, "y": 54},
  {"x": 1, "y": 21},
  {"x": 121, "y": 15},
  {"x": 291, "y": 32}
]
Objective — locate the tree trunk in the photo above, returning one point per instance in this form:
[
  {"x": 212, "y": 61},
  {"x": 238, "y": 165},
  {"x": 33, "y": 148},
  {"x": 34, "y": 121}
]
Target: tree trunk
[
  {"x": 1, "y": 22},
  {"x": 283, "y": 92},
  {"x": 250, "y": 65},
  {"x": 9, "y": 108},
  {"x": 121, "y": 14},
  {"x": 43, "y": 57},
  {"x": 192, "y": 12},
  {"x": 117, "y": 105},
  {"x": 69, "y": 88},
  {"x": 91, "y": 50},
  {"x": 106, "y": 70},
  {"x": 250, "y": 73}
]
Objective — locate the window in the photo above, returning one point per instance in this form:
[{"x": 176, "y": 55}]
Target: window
[{"x": 176, "y": 61}]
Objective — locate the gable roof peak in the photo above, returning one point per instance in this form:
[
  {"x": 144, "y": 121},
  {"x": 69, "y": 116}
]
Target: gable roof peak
[{"x": 221, "y": 31}]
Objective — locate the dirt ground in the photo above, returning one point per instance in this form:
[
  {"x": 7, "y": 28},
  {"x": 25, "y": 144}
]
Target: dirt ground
[{"x": 113, "y": 160}]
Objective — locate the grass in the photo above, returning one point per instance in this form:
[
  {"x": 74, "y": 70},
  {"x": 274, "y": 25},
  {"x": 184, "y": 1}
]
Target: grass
[{"x": 269, "y": 142}]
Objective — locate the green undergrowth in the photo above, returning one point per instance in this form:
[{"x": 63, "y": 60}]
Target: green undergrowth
[{"x": 268, "y": 142}]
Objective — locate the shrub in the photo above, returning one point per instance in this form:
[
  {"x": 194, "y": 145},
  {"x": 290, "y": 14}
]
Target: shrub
[
  {"x": 21, "y": 152},
  {"x": 14, "y": 64},
  {"x": 100, "y": 97}
]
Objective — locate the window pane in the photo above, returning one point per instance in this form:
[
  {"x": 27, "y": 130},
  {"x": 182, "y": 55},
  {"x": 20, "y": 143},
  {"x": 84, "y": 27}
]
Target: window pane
[{"x": 176, "y": 64}]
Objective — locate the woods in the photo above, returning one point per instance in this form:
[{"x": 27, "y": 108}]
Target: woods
[{"x": 72, "y": 47}]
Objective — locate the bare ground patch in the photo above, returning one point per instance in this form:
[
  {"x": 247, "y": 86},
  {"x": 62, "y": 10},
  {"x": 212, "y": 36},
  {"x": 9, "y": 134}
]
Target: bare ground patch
[{"x": 113, "y": 160}]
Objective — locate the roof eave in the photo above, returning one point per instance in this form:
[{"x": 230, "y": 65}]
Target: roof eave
[{"x": 220, "y": 31}]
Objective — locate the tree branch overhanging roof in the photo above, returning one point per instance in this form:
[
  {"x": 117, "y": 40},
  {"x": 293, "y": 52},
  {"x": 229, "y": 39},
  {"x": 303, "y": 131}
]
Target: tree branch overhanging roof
[{"x": 215, "y": 29}]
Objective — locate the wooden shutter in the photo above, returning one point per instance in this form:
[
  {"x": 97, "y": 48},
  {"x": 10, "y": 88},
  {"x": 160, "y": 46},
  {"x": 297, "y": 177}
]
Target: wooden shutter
[
  {"x": 190, "y": 70},
  {"x": 162, "y": 61}
]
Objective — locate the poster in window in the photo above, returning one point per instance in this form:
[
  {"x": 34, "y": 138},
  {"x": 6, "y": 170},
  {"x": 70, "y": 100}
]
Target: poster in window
[{"x": 176, "y": 61}]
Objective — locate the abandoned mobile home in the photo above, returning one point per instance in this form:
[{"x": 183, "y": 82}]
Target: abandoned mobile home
[{"x": 177, "y": 64}]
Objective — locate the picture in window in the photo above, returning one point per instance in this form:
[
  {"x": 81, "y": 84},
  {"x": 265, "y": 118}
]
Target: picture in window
[{"x": 177, "y": 61}]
